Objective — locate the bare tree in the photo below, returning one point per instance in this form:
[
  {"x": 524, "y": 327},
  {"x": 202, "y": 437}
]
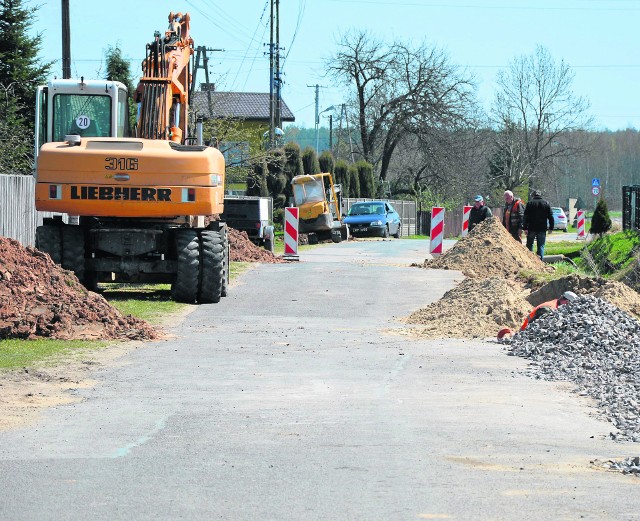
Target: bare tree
[
  {"x": 533, "y": 110},
  {"x": 399, "y": 91}
]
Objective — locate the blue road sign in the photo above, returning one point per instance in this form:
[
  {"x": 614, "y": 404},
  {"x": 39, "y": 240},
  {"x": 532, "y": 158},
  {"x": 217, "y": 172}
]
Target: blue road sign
[{"x": 595, "y": 181}]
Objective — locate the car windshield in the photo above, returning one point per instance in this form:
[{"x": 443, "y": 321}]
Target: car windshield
[
  {"x": 366, "y": 209},
  {"x": 558, "y": 211}
]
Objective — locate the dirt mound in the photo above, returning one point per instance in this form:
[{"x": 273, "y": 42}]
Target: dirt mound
[
  {"x": 243, "y": 250},
  {"x": 479, "y": 308},
  {"x": 476, "y": 308},
  {"x": 616, "y": 293},
  {"x": 40, "y": 299},
  {"x": 488, "y": 251}
]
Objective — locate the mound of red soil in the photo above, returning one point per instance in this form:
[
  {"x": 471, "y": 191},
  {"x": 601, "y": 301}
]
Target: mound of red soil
[
  {"x": 40, "y": 299},
  {"x": 243, "y": 250}
]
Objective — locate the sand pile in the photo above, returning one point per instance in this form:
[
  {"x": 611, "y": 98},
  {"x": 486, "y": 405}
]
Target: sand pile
[
  {"x": 488, "y": 251},
  {"x": 40, "y": 299},
  {"x": 493, "y": 296},
  {"x": 476, "y": 308}
]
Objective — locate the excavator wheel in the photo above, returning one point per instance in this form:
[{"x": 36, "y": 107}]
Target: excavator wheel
[
  {"x": 212, "y": 266},
  {"x": 185, "y": 285},
  {"x": 73, "y": 250},
  {"x": 48, "y": 240},
  {"x": 226, "y": 264}
]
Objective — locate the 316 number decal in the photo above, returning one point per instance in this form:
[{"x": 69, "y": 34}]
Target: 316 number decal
[{"x": 121, "y": 163}]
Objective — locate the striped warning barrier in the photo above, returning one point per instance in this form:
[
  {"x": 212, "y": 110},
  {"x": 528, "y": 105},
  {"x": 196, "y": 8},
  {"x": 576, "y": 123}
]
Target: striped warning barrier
[
  {"x": 466, "y": 212},
  {"x": 581, "y": 219},
  {"x": 291, "y": 232},
  {"x": 437, "y": 230}
]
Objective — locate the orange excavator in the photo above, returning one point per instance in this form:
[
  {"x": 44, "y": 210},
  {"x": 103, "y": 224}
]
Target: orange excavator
[{"x": 133, "y": 209}]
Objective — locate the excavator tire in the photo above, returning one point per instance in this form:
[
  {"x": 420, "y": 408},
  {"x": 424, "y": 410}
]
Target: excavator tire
[
  {"x": 73, "y": 250},
  {"x": 212, "y": 266},
  {"x": 48, "y": 240},
  {"x": 226, "y": 264},
  {"x": 185, "y": 285}
]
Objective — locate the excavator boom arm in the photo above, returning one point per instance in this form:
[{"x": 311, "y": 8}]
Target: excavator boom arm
[{"x": 163, "y": 90}]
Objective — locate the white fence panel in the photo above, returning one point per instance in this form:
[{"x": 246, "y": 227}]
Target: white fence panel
[{"x": 18, "y": 216}]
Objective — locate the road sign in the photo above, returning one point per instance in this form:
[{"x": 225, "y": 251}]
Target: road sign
[
  {"x": 595, "y": 190},
  {"x": 595, "y": 182}
]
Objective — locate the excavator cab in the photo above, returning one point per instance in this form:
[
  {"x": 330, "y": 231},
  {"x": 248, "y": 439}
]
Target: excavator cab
[{"x": 87, "y": 108}]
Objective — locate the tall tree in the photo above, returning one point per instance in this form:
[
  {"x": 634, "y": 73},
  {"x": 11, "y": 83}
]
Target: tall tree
[
  {"x": 16, "y": 145},
  {"x": 533, "y": 111},
  {"x": 21, "y": 71},
  {"x": 399, "y": 90},
  {"x": 310, "y": 161},
  {"x": 118, "y": 69}
]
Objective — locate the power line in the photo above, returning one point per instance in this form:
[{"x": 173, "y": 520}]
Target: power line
[{"x": 482, "y": 7}]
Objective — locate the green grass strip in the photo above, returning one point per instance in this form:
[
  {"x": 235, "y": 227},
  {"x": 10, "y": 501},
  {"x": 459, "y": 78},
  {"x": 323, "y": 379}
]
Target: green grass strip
[{"x": 20, "y": 353}]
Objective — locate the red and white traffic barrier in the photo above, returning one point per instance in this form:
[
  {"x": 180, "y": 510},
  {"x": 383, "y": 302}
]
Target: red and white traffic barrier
[
  {"x": 466, "y": 212},
  {"x": 581, "y": 219},
  {"x": 437, "y": 230},
  {"x": 291, "y": 231}
]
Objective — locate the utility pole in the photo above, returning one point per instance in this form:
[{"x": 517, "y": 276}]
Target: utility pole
[
  {"x": 317, "y": 87},
  {"x": 66, "y": 41},
  {"x": 343, "y": 111},
  {"x": 201, "y": 50},
  {"x": 278, "y": 81},
  {"x": 275, "y": 80},
  {"x": 272, "y": 122}
]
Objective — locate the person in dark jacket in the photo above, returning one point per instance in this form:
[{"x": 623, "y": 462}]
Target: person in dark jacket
[
  {"x": 537, "y": 215},
  {"x": 479, "y": 212},
  {"x": 513, "y": 215}
]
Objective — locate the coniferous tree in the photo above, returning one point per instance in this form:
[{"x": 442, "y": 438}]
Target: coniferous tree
[
  {"x": 600, "y": 222},
  {"x": 310, "y": 161},
  {"x": 293, "y": 165},
  {"x": 354, "y": 181},
  {"x": 341, "y": 172},
  {"x": 367, "y": 181},
  {"x": 21, "y": 71},
  {"x": 118, "y": 70},
  {"x": 326, "y": 162}
]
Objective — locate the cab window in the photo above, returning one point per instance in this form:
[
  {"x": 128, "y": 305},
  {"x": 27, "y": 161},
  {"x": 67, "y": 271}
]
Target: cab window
[{"x": 85, "y": 115}]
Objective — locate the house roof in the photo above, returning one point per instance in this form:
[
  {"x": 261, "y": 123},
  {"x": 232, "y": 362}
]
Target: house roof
[{"x": 251, "y": 106}]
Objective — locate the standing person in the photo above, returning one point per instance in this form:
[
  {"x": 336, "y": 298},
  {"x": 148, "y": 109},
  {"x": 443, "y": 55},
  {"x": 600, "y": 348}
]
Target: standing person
[
  {"x": 536, "y": 216},
  {"x": 479, "y": 212},
  {"x": 513, "y": 215}
]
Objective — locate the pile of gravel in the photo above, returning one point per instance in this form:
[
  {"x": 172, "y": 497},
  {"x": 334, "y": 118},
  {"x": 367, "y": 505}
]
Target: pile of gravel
[
  {"x": 596, "y": 346},
  {"x": 626, "y": 466}
]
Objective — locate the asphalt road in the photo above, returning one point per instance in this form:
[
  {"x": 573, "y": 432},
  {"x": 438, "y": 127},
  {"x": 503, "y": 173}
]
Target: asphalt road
[{"x": 300, "y": 398}]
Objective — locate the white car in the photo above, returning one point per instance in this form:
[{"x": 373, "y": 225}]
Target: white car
[{"x": 559, "y": 219}]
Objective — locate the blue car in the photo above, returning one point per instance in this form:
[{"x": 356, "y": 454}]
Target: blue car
[{"x": 373, "y": 219}]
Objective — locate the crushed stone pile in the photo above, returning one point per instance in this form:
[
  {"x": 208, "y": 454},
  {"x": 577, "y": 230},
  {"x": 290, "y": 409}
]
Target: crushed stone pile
[
  {"x": 243, "y": 250},
  {"x": 476, "y": 308},
  {"x": 38, "y": 298},
  {"x": 488, "y": 251},
  {"x": 626, "y": 466},
  {"x": 594, "y": 345}
]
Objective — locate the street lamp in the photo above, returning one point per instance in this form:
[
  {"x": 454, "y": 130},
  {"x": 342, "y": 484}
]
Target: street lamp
[{"x": 318, "y": 123}]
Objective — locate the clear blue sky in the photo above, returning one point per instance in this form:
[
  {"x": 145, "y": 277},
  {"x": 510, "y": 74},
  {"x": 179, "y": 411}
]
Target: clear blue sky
[{"x": 598, "y": 39}]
